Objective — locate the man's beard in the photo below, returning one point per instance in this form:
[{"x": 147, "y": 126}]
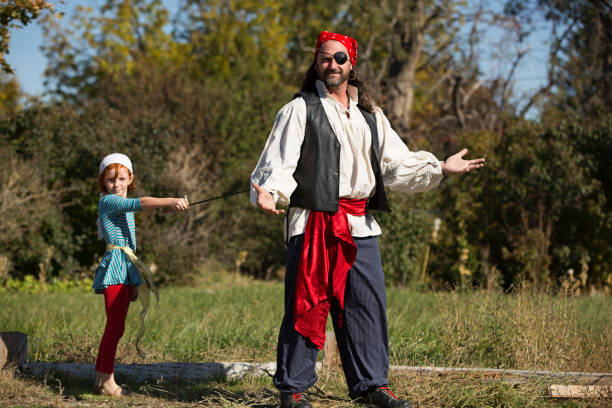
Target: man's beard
[{"x": 337, "y": 81}]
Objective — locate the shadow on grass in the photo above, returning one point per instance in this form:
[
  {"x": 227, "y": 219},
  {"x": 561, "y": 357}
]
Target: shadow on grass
[
  {"x": 251, "y": 389},
  {"x": 252, "y": 392}
]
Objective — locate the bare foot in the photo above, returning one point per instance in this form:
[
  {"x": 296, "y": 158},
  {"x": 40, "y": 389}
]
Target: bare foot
[{"x": 105, "y": 385}]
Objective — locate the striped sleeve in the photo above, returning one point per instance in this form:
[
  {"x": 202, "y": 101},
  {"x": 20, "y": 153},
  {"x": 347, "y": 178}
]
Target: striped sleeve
[{"x": 112, "y": 204}]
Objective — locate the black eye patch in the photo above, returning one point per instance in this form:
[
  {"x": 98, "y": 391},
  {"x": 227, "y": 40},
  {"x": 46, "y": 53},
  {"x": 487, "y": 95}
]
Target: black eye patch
[{"x": 340, "y": 57}]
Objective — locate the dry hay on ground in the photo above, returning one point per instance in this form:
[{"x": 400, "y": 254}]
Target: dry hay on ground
[{"x": 425, "y": 390}]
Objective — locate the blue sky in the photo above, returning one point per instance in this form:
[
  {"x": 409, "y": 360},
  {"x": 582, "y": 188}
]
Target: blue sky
[
  {"x": 29, "y": 63},
  {"x": 26, "y": 59}
]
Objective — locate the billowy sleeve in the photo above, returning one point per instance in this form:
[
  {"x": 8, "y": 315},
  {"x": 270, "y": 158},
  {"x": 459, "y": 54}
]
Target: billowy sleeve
[
  {"x": 279, "y": 159},
  {"x": 404, "y": 170}
]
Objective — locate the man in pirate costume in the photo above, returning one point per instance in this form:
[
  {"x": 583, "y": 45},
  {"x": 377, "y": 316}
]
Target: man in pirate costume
[{"x": 328, "y": 158}]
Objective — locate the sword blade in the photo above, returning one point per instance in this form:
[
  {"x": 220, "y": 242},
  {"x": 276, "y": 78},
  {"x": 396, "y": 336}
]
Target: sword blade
[{"x": 226, "y": 195}]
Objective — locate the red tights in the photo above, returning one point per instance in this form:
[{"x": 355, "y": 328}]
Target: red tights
[{"x": 117, "y": 300}]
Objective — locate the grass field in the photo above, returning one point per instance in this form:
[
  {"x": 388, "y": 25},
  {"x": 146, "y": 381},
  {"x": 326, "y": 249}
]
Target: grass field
[{"x": 238, "y": 321}]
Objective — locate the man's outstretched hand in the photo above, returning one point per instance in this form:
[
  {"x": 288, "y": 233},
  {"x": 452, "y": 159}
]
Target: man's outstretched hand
[
  {"x": 456, "y": 165},
  {"x": 265, "y": 201}
]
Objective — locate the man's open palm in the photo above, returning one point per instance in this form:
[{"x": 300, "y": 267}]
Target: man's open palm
[{"x": 456, "y": 165}]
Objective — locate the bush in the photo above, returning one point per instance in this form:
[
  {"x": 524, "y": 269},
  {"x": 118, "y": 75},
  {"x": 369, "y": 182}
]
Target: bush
[{"x": 539, "y": 208}]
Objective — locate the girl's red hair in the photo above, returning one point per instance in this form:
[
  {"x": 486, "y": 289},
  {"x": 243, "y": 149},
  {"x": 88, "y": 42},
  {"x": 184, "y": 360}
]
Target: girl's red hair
[{"x": 116, "y": 167}]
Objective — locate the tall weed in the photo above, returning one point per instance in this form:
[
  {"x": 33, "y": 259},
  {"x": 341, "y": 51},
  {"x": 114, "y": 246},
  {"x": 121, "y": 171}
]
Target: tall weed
[{"x": 525, "y": 331}]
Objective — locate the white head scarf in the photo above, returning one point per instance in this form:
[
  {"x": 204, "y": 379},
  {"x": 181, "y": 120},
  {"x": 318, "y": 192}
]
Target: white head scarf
[
  {"x": 116, "y": 158},
  {"x": 112, "y": 158}
]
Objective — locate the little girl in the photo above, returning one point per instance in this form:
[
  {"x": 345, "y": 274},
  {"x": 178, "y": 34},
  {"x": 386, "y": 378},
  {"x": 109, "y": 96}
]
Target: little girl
[{"x": 118, "y": 277}]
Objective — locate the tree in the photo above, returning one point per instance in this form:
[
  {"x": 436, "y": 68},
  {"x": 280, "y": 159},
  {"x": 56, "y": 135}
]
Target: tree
[
  {"x": 121, "y": 39},
  {"x": 13, "y": 12},
  {"x": 403, "y": 47},
  {"x": 236, "y": 40},
  {"x": 9, "y": 94},
  {"x": 197, "y": 96},
  {"x": 540, "y": 208},
  {"x": 580, "y": 67}
]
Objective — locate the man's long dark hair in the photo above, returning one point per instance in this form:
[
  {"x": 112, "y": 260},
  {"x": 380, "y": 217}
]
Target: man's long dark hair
[{"x": 366, "y": 99}]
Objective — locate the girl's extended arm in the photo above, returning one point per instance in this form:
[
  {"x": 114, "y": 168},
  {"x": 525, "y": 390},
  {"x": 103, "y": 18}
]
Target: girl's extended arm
[{"x": 176, "y": 204}]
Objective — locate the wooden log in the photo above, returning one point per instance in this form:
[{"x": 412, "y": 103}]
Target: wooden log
[
  {"x": 573, "y": 376},
  {"x": 193, "y": 372},
  {"x": 166, "y": 371},
  {"x": 330, "y": 351},
  {"x": 580, "y": 391},
  {"x": 13, "y": 348}
]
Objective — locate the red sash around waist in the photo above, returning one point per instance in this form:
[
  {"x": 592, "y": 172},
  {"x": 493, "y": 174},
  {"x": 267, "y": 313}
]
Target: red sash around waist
[{"x": 327, "y": 255}]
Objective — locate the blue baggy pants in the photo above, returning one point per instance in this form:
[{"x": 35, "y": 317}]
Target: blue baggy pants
[{"x": 362, "y": 340}]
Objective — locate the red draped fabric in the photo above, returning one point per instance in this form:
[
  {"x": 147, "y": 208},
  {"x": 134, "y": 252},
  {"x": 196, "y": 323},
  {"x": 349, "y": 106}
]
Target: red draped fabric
[{"x": 327, "y": 255}]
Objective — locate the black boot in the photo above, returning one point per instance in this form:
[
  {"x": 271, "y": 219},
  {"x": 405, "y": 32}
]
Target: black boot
[
  {"x": 382, "y": 397},
  {"x": 297, "y": 400}
]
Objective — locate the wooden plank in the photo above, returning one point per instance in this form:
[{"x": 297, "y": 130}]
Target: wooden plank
[
  {"x": 572, "y": 376},
  {"x": 580, "y": 391},
  {"x": 331, "y": 354}
]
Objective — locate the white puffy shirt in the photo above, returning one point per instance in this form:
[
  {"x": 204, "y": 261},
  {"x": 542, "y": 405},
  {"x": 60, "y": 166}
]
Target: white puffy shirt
[{"x": 402, "y": 169}]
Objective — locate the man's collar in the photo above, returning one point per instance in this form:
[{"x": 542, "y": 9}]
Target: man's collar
[{"x": 352, "y": 91}]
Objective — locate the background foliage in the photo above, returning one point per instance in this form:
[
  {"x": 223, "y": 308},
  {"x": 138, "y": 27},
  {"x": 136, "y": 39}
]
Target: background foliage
[{"x": 191, "y": 100}]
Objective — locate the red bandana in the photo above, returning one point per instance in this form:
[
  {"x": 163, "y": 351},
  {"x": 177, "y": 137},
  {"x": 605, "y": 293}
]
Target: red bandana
[{"x": 348, "y": 42}]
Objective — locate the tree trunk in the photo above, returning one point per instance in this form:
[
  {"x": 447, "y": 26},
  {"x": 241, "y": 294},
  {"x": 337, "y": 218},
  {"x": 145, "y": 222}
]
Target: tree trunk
[{"x": 405, "y": 54}]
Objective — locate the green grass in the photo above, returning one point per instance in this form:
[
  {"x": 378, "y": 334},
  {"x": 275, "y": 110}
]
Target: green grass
[
  {"x": 189, "y": 324},
  {"x": 240, "y": 323}
]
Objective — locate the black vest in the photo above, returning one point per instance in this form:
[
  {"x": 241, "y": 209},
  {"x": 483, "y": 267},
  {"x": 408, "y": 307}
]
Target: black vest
[{"x": 318, "y": 170}]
